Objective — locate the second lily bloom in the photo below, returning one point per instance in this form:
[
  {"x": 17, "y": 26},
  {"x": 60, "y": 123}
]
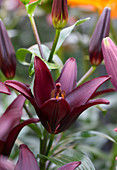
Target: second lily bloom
[{"x": 59, "y": 104}]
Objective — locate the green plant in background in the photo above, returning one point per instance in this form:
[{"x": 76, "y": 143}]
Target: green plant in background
[{"x": 62, "y": 144}]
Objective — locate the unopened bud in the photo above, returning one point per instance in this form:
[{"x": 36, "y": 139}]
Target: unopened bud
[
  {"x": 7, "y": 53},
  {"x": 101, "y": 31},
  {"x": 59, "y": 13}
]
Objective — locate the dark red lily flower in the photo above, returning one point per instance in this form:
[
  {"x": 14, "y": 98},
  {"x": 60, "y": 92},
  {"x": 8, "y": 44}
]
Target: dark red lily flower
[
  {"x": 11, "y": 126},
  {"x": 26, "y": 161},
  {"x": 7, "y": 53},
  {"x": 59, "y": 13},
  {"x": 59, "y": 104},
  {"x": 101, "y": 31}
]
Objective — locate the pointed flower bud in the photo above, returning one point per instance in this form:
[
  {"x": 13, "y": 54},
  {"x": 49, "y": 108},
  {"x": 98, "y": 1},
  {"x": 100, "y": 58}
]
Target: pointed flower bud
[
  {"x": 109, "y": 50},
  {"x": 101, "y": 31},
  {"x": 59, "y": 13},
  {"x": 7, "y": 53}
]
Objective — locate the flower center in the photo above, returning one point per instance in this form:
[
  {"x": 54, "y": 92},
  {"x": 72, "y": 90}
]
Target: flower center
[{"x": 56, "y": 93}]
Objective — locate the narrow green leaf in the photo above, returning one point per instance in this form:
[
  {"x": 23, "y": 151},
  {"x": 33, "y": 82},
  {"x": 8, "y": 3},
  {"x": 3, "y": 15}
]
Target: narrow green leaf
[
  {"x": 67, "y": 31},
  {"x": 31, "y": 7}
]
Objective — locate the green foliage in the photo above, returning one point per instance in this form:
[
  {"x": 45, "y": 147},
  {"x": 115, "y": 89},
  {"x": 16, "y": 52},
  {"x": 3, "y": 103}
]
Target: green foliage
[
  {"x": 31, "y": 7},
  {"x": 67, "y": 31}
]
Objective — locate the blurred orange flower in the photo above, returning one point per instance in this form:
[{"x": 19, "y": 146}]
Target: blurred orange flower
[{"x": 97, "y": 4}]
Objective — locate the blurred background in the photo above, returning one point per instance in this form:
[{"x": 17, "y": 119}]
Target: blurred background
[{"x": 101, "y": 151}]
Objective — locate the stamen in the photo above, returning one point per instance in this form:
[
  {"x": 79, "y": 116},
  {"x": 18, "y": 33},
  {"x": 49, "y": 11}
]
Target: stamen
[{"x": 56, "y": 93}]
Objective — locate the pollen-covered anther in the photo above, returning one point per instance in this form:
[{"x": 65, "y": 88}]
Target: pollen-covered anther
[{"x": 56, "y": 93}]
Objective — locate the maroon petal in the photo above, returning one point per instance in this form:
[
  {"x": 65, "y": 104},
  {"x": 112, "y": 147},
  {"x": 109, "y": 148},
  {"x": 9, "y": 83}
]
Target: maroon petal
[
  {"x": 43, "y": 83},
  {"x": 109, "y": 50},
  {"x": 27, "y": 160},
  {"x": 52, "y": 112},
  {"x": 70, "y": 166},
  {"x": 14, "y": 133},
  {"x": 73, "y": 115},
  {"x": 22, "y": 88},
  {"x": 103, "y": 92},
  {"x": 11, "y": 117},
  {"x": 4, "y": 88},
  {"x": 2, "y": 144},
  {"x": 68, "y": 75},
  {"x": 6, "y": 164},
  {"x": 83, "y": 93}
]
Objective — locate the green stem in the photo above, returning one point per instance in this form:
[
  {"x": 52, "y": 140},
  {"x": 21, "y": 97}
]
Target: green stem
[
  {"x": 50, "y": 144},
  {"x": 54, "y": 45},
  {"x": 32, "y": 21},
  {"x": 26, "y": 109},
  {"x": 43, "y": 143},
  {"x": 85, "y": 77}
]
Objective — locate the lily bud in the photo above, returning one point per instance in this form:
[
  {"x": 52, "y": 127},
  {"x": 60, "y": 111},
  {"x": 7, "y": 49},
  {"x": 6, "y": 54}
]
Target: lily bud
[
  {"x": 59, "y": 13},
  {"x": 7, "y": 53},
  {"x": 101, "y": 31},
  {"x": 109, "y": 50}
]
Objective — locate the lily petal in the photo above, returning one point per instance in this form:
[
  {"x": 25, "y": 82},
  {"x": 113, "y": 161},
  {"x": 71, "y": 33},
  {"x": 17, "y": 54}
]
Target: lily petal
[
  {"x": 43, "y": 83},
  {"x": 4, "y": 88},
  {"x": 84, "y": 92},
  {"x": 27, "y": 160},
  {"x": 68, "y": 76},
  {"x": 109, "y": 50},
  {"x": 11, "y": 117},
  {"x": 73, "y": 115},
  {"x": 103, "y": 92},
  {"x": 115, "y": 129},
  {"x": 6, "y": 164},
  {"x": 71, "y": 166},
  {"x": 14, "y": 133},
  {"x": 52, "y": 112},
  {"x": 22, "y": 88}
]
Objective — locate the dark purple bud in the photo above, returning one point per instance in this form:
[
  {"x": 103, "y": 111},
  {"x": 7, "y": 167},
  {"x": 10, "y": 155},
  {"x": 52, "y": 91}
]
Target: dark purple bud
[
  {"x": 7, "y": 53},
  {"x": 59, "y": 13},
  {"x": 101, "y": 31}
]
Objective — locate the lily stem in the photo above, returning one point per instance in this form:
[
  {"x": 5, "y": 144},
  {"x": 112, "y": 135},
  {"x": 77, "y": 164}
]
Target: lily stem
[
  {"x": 87, "y": 74},
  {"x": 54, "y": 45},
  {"x": 50, "y": 144},
  {"x": 32, "y": 21},
  {"x": 43, "y": 144},
  {"x": 28, "y": 113}
]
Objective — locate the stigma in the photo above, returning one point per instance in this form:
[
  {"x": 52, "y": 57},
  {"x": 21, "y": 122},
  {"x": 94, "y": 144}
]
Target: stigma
[{"x": 56, "y": 93}]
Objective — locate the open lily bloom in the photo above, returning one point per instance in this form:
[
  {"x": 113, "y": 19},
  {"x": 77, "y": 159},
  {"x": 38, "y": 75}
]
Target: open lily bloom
[
  {"x": 59, "y": 104},
  {"x": 10, "y": 125},
  {"x": 27, "y": 161}
]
